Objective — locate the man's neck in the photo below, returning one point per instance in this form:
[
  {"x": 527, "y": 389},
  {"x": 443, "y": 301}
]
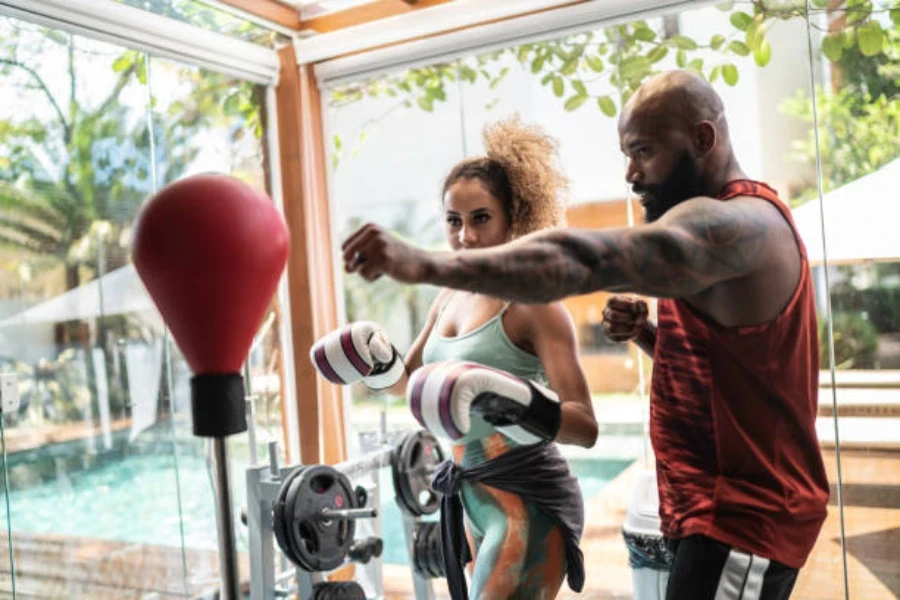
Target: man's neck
[{"x": 721, "y": 175}]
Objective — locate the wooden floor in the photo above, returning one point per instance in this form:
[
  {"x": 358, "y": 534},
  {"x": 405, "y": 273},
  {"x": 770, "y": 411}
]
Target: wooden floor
[{"x": 59, "y": 567}]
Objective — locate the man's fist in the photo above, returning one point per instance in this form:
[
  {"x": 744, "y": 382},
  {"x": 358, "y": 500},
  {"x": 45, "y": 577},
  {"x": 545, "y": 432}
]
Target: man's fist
[
  {"x": 624, "y": 317},
  {"x": 372, "y": 252}
]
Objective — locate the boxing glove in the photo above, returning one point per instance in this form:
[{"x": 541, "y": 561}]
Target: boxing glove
[
  {"x": 360, "y": 351},
  {"x": 444, "y": 395}
]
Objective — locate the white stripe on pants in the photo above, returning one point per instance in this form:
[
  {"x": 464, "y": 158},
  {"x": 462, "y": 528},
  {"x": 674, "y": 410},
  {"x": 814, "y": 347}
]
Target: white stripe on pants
[{"x": 742, "y": 577}]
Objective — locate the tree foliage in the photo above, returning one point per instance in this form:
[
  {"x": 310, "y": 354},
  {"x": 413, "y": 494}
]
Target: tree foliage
[{"x": 581, "y": 69}]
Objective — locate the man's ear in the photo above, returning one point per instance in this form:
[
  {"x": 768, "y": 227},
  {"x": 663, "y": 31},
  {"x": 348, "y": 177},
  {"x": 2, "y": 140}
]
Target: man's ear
[{"x": 705, "y": 137}]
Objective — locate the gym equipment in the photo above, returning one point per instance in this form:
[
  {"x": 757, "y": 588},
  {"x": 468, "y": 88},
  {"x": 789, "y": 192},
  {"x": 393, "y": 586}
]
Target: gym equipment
[
  {"x": 338, "y": 590},
  {"x": 312, "y": 511},
  {"x": 428, "y": 556},
  {"x": 313, "y": 517},
  {"x": 210, "y": 250},
  {"x": 417, "y": 456}
]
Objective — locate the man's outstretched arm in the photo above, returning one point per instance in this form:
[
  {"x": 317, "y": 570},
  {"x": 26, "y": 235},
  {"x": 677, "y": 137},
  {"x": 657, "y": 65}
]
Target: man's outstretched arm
[{"x": 695, "y": 245}]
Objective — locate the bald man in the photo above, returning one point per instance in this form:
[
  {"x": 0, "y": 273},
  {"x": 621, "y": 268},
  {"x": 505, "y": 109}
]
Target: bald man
[{"x": 742, "y": 485}]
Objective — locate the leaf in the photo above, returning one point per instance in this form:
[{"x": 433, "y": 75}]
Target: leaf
[
  {"x": 741, "y": 20},
  {"x": 848, "y": 38},
  {"x": 657, "y": 54},
  {"x": 739, "y": 48},
  {"x": 437, "y": 93},
  {"x": 832, "y": 47},
  {"x": 634, "y": 67},
  {"x": 579, "y": 88},
  {"x": 558, "y": 86},
  {"x": 574, "y": 102},
  {"x": 725, "y": 6},
  {"x": 231, "y": 104},
  {"x": 871, "y": 38},
  {"x": 716, "y": 41},
  {"x": 142, "y": 70},
  {"x": 607, "y": 106},
  {"x": 645, "y": 35},
  {"x": 714, "y": 73},
  {"x": 895, "y": 16},
  {"x": 594, "y": 63},
  {"x": 570, "y": 67},
  {"x": 537, "y": 64},
  {"x": 680, "y": 59},
  {"x": 684, "y": 42},
  {"x": 425, "y": 103},
  {"x": 730, "y": 74},
  {"x": 522, "y": 52},
  {"x": 763, "y": 53},
  {"x": 696, "y": 65},
  {"x": 121, "y": 63},
  {"x": 820, "y": 3}
]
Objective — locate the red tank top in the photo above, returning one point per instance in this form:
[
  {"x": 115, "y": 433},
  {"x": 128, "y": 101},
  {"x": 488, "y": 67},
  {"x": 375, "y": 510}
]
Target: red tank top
[{"x": 732, "y": 422}]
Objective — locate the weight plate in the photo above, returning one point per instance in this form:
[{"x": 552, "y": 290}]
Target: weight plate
[
  {"x": 317, "y": 543},
  {"x": 280, "y": 523},
  {"x": 415, "y": 459}
]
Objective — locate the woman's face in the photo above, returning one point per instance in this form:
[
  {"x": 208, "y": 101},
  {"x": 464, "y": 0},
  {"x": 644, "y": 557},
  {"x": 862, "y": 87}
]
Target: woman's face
[{"x": 473, "y": 217}]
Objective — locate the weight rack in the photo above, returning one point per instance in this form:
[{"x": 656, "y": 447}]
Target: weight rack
[{"x": 272, "y": 576}]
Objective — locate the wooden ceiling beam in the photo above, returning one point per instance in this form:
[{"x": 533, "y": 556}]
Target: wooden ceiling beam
[
  {"x": 365, "y": 13},
  {"x": 269, "y": 10}
]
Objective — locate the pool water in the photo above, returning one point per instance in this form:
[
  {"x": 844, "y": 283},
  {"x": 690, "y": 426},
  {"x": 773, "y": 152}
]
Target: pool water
[
  {"x": 134, "y": 498},
  {"x": 131, "y": 500}
]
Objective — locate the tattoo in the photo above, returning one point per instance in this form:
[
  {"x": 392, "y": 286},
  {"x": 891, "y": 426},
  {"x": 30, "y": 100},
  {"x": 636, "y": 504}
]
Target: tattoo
[{"x": 679, "y": 256}]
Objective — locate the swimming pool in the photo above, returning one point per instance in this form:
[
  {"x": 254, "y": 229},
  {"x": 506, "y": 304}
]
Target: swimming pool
[{"x": 133, "y": 497}]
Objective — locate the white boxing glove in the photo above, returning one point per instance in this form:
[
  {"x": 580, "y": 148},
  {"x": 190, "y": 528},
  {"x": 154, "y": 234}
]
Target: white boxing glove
[
  {"x": 444, "y": 395},
  {"x": 358, "y": 351}
]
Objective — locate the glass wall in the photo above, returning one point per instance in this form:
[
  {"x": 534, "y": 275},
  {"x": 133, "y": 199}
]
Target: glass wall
[
  {"x": 107, "y": 492},
  {"x": 812, "y": 102}
]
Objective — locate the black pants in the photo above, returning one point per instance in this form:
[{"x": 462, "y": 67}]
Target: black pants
[{"x": 704, "y": 569}]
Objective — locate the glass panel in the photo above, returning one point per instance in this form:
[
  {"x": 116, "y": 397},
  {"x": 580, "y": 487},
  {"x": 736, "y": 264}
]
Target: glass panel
[
  {"x": 207, "y": 122},
  {"x": 392, "y": 141},
  {"x": 757, "y": 57},
  {"x": 210, "y": 17},
  {"x": 91, "y": 480},
  {"x": 858, "y": 125}
]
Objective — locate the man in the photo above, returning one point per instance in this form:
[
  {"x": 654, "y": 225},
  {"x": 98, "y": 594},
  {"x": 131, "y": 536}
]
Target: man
[{"x": 743, "y": 490}]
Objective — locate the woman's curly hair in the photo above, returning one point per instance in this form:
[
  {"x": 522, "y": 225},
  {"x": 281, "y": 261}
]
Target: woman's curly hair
[{"x": 521, "y": 169}]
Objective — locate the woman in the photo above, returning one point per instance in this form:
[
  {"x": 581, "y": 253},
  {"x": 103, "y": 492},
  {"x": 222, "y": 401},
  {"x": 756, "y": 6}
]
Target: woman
[{"x": 513, "y": 190}]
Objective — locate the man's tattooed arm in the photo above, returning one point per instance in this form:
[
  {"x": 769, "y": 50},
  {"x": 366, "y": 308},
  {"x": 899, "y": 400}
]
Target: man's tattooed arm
[{"x": 697, "y": 244}]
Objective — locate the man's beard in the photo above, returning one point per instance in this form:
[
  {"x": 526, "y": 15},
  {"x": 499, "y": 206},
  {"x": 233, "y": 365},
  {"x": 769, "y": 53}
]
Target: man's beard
[{"x": 683, "y": 183}]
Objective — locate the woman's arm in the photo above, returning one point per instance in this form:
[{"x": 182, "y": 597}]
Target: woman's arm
[
  {"x": 552, "y": 334},
  {"x": 413, "y": 359}
]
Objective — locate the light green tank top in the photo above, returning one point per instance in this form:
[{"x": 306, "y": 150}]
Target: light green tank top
[{"x": 486, "y": 345}]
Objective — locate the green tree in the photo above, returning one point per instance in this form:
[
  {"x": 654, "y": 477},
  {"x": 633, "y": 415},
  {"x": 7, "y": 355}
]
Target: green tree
[
  {"x": 78, "y": 156},
  {"x": 580, "y": 69}
]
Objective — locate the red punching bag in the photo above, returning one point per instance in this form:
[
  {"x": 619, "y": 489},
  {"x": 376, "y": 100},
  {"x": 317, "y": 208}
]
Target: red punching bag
[{"x": 210, "y": 250}]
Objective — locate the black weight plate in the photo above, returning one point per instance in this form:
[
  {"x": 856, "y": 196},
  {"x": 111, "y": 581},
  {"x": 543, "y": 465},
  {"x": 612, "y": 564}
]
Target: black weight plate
[
  {"x": 318, "y": 544},
  {"x": 401, "y": 487},
  {"x": 415, "y": 459},
  {"x": 280, "y": 524},
  {"x": 438, "y": 551},
  {"x": 418, "y": 550},
  {"x": 434, "y": 550}
]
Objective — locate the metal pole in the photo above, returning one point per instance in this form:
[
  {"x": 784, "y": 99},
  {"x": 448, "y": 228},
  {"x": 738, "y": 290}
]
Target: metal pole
[
  {"x": 349, "y": 513},
  {"x": 228, "y": 570},
  {"x": 367, "y": 463}
]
